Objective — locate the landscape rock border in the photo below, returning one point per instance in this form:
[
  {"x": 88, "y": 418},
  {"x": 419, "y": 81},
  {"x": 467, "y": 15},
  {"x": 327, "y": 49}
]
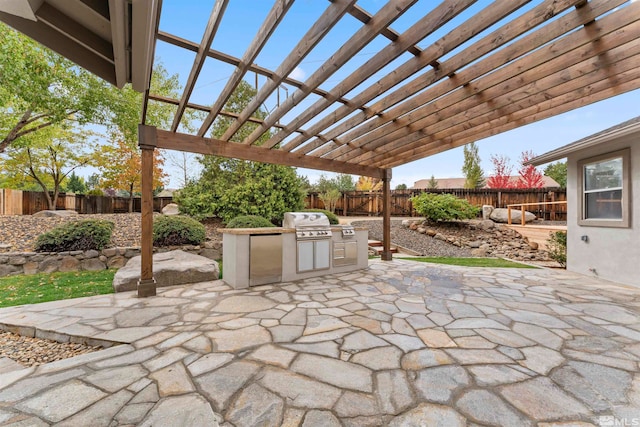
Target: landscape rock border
[{"x": 14, "y": 263}]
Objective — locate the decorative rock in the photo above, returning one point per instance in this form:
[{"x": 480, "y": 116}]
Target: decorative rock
[
  {"x": 170, "y": 268},
  {"x": 69, "y": 263},
  {"x": 91, "y": 254},
  {"x": 421, "y": 230},
  {"x": 431, "y": 232},
  {"x": 50, "y": 214},
  {"x": 171, "y": 209},
  {"x": 501, "y": 215},
  {"x": 486, "y": 211},
  {"x": 95, "y": 264}
]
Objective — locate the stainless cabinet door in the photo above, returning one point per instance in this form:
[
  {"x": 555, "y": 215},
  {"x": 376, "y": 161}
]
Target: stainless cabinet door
[
  {"x": 305, "y": 256},
  {"x": 321, "y": 256}
]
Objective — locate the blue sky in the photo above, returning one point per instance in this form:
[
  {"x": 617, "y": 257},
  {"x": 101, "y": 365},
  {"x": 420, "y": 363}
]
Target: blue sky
[{"x": 243, "y": 18}]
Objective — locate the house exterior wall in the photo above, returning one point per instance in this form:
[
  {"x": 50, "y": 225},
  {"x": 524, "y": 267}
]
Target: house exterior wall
[{"x": 610, "y": 253}]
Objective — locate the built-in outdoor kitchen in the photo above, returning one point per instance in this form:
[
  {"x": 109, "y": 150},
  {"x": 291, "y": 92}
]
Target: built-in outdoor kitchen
[{"x": 306, "y": 245}]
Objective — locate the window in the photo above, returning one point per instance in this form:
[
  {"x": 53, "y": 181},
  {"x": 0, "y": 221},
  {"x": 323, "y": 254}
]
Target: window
[{"x": 604, "y": 190}]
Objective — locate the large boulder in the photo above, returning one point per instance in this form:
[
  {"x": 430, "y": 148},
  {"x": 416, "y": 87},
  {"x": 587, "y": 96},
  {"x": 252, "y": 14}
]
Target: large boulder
[
  {"x": 501, "y": 215},
  {"x": 169, "y": 269},
  {"x": 486, "y": 211},
  {"x": 171, "y": 209},
  {"x": 49, "y": 214}
]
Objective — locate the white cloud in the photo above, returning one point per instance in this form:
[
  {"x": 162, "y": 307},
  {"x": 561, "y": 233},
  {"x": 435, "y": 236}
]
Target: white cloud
[{"x": 298, "y": 74}]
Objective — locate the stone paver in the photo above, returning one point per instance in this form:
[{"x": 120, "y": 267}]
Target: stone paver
[{"x": 398, "y": 344}]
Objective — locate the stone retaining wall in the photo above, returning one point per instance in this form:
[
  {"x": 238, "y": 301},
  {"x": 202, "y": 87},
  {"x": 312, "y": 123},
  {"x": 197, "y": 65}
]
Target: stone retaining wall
[{"x": 12, "y": 263}]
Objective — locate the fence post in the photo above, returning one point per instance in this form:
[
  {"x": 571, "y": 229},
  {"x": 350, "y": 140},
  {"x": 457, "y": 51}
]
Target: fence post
[
  {"x": 522, "y": 222},
  {"x": 509, "y": 215}
]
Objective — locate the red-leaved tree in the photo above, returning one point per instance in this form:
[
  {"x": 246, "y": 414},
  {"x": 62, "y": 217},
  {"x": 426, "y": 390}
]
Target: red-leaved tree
[
  {"x": 501, "y": 176},
  {"x": 530, "y": 177}
]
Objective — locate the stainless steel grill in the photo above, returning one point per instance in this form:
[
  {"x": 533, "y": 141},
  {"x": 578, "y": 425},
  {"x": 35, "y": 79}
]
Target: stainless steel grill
[
  {"x": 348, "y": 231},
  {"x": 308, "y": 225}
]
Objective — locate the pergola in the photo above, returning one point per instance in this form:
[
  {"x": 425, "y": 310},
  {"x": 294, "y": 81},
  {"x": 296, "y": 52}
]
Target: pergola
[{"x": 509, "y": 64}]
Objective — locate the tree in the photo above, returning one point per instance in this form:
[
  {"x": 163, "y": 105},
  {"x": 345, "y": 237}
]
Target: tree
[
  {"x": 433, "y": 183},
  {"x": 344, "y": 182},
  {"x": 557, "y": 171},
  {"x": 75, "y": 184},
  {"x": 473, "y": 173},
  {"x": 46, "y": 158},
  {"x": 501, "y": 176},
  {"x": 120, "y": 161},
  {"x": 330, "y": 199},
  {"x": 39, "y": 89},
  {"x": 123, "y": 170},
  {"x": 367, "y": 183},
  {"x": 530, "y": 176},
  {"x": 401, "y": 186},
  {"x": 227, "y": 188}
]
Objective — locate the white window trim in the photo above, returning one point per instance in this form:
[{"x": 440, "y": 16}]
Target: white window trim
[{"x": 625, "y": 221}]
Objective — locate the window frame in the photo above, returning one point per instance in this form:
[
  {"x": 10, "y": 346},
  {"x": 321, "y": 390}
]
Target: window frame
[{"x": 625, "y": 221}]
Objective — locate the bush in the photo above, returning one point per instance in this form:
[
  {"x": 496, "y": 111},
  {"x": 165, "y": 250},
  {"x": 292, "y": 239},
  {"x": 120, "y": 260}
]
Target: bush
[
  {"x": 177, "y": 230},
  {"x": 249, "y": 221},
  {"x": 333, "y": 218},
  {"x": 443, "y": 207},
  {"x": 557, "y": 247},
  {"x": 76, "y": 236}
]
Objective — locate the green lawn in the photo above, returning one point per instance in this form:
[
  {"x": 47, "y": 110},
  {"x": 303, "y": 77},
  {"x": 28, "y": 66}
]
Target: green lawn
[
  {"x": 473, "y": 262},
  {"x": 32, "y": 289}
]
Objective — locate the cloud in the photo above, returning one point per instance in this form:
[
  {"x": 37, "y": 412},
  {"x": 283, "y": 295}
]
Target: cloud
[{"x": 298, "y": 74}]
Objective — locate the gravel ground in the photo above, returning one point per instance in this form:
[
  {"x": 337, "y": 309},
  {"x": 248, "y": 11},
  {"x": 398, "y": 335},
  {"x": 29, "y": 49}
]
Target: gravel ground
[
  {"x": 411, "y": 240},
  {"x": 36, "y": 351},
  {"x": 21, "y": 231}
]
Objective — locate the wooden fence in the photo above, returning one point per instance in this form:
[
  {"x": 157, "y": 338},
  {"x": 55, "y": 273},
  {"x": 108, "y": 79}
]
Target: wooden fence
[
  {"x": 353, "y": 203},
  {"x": 17, "y": 202},
  {"x": 366, "y": 203}
]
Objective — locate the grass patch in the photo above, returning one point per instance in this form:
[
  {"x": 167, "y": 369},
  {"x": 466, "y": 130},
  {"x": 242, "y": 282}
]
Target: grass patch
[
  {"x": 472, "y": 262},
  {"x": 36, "y": 288}
]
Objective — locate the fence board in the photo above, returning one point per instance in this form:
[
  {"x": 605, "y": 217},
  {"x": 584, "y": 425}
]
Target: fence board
[{"x": 367, "y": 203}]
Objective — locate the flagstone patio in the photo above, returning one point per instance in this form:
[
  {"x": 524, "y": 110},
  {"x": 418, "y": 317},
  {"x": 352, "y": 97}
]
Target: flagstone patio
[{"x": 400, "y": 344}]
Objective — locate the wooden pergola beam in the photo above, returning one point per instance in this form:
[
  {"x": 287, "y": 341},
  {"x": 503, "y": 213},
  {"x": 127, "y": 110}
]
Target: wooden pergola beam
[
  {"x": 273, "y": 19},
  {"x": 429, "y": 56},
  {"x": 207, "y": 38},
  {"x": 431, "y": 22},
  {"x": 201, "y": 145},
  {"x": 232, "y": 60},
  {"x": 365, "y": 34},
  {"x": 199, "y": 107},
  {"x": 316, "y": 33},
  {"x": 527, "y": 49},
  {"x": 572, "y": 65},
  {"x": 563, "y": 84},
  {"x": 502, "y": 124}
]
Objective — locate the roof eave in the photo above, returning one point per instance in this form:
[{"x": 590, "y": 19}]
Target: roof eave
[{"x": 563, "y": 152}]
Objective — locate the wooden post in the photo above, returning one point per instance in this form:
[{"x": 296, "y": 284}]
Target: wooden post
[
  {"x": 522, "y": 221},
  {"x": 552, "y": 215},
  {"x": 509, "y": 215},
  {"x": 386, "y": 216},
  {"x": 345, "y": 203},
  {"x": 147, "y": 143}
]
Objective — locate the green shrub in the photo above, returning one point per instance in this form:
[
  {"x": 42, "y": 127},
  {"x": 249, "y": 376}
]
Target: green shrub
[
  {"x": 333, "y": 218},
  {"x": 557, "y": 247},
  {"x": 76, "y": 236},
  {"x": 443, "y": 207},
  {"x": 249, "y": 221},
  {"x": 177, "y": 230}
]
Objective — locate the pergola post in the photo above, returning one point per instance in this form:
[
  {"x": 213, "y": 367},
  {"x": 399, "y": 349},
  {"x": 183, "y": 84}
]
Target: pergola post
[
  {"x": 386, "y": 216},
  {"x": 147, "y": 142}
]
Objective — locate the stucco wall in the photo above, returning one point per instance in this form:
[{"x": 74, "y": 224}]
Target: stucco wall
[{"x": 610, "y": 253}]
